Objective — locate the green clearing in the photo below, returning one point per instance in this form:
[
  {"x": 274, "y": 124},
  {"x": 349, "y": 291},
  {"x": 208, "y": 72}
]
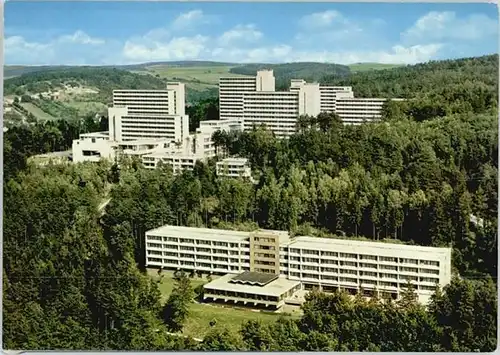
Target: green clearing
[
  {"x": 197, "y": 325},
  {"x": 196, "y": 78},
  {"x": 37, "y": 111},
  {"x": 361, "y": 67},
  {"x": 87, "y": 107}
]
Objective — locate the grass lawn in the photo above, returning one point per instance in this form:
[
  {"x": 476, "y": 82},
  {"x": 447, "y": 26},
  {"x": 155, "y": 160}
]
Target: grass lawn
[
  {"x": 86, "y": 107},
  {"x": 360, "y": 67},
  {"x": 37, "y": 111},
  {"x": 201, "y": 315}
]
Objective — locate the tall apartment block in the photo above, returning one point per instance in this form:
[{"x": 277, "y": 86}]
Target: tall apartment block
[
  {"x": 326, "y": 263},
  {"x": 149, "y": 114},
  {"x": 255, "y": 101},
  {"x": 232, "y": 89}
]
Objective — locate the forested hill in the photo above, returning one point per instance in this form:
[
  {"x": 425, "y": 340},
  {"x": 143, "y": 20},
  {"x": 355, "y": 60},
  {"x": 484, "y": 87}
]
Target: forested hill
[
  {"x": 285, "y": 72},
  {"x": 104, "y": 79},
  {"x": 450, "y": 80}
]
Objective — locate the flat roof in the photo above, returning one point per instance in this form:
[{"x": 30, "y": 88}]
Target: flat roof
[
  {"x": 233, "y": 160},
  {"x": 211, "y": 234},
  {"x": 275, "y": 288},
  {"x": 254, "y": 278},
  {"x": 200, "y": 233},
  {"x": 359, "y": 246}
]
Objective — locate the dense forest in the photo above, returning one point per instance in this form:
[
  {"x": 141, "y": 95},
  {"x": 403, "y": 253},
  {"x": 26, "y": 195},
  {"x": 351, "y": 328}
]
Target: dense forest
[
  {"x": 73, "y": 274},
  {"x": 283, "y": 73}
]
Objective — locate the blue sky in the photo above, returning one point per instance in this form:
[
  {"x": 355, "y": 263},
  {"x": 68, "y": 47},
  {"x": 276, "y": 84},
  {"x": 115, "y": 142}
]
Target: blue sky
[{"x": 95, "y": 33}]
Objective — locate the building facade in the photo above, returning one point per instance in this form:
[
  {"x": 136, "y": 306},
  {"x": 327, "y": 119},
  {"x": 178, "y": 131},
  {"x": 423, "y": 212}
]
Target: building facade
[
  {"x": 234, "y": 168},
  {"x": 243, "y": 98},
  {"x": 329, "y": 264},
  {"x": 149, "y": 114},
  {"x": 232, "y": 90}
]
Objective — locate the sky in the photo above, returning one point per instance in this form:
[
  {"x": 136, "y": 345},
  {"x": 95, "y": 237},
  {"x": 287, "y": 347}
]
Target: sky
[{"x": 118, "y": 33}]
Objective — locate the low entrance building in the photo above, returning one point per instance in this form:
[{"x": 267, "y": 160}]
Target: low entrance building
[{"x": 251, "y": 289}]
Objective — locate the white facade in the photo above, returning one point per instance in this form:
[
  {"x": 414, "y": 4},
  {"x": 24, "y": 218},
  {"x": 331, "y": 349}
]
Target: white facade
[
  {"x": 149, "y": 114},
  {"x": 259, "y": 104},
  {"x": 329, "y": 95},
  {"x": 277, "y": 110},
  {"x": 234, "y": 167},
  {"x": 327, "y": 263},
  {"x": 93, "y": 147},
  {"x": 199, "y": 146},
  {"x": 232, "y": 89},
  {"x": 359, "y": 110}
]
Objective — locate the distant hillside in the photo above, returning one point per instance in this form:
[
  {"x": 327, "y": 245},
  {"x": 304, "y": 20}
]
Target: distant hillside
[
  {"x": 104, "y": 79},
  {"x": 361, "y": 67},
  {"x": 283, "y": 73},
  {"x": 72, "y": 92},
  {"x": 10, "y": 71},
  {"x": 17, "y": 70},
  {"x": 459, "y": 83}
]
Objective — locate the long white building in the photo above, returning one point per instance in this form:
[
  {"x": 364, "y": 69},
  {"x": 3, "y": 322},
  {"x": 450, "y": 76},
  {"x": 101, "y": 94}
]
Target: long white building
[
  {"x": 314, "y": 262},
  {"x": 255, "y": 101}
]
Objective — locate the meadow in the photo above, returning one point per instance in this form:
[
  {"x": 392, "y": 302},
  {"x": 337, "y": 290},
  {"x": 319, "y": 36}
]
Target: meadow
[
  {"x": 201, "y": 314},
  {"x": 37, "y": 111}
]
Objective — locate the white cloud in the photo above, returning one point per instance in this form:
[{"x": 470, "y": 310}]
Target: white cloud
[
  {"x": 319, "y": 20},
  {"x": 178, "y": 48},
  {"x": 72, "y": 48},
  {"x": 81, "y": 38},
  {"x": 189, "y": 20},
  {"x": 323, "y": 37},
  {"x": 332, "y": 29},
  {"x": 240, "y": 33},
  {"x": 438, "y": 26}
]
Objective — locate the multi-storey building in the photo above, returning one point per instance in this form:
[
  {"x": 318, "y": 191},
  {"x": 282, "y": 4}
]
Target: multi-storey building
[
  {"x": 232, "y": 89},
  {"x": 330, "y": 94},
  {"x": 234, "y": 167},
  {"x": 242, "y": 99},
  {"x": 326, "y": 263},
  {"x": 358, "y": 110},
  {"x": 149, "y": 114}
]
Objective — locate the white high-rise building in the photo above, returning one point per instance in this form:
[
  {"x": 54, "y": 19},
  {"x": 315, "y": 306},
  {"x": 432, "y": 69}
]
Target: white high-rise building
[
  {"x": 149, "y": 114},
  {"x": 358, "y": 110},
  {"x": 255, "y": 101},
  {"x": 232, "y": 89}
]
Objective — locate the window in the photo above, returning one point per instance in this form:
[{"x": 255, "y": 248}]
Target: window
[
  {"x": 153, "y": 245},
  {"x": 348, "y": 263},
  {"x": 409, "y": 269},
  {"x": 368, "y": 257},
  {"x": 429, "y": 262},
  {"x": 429, "y": 271},
  {"x": 348, "y": 256},
  {"x": 388, "y": 267},
  {"x": 369, "y": 266},
  {"x": 429, "y": 279},
  {"x": 310, "y": 260},
  {"x": 388, "y": 276},
  {"x": 154, "y": 237},
  {"x": 408, "y": 261},
  {"x": 329, "y": 253}
]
